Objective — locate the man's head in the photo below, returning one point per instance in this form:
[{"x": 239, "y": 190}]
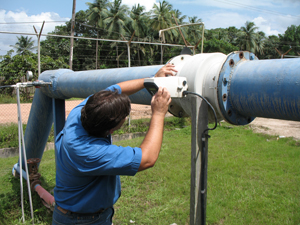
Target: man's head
[{"x": 104, "y": 111}]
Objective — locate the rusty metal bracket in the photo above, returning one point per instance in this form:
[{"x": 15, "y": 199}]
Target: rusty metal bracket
[{"x": 34, "y": 176}]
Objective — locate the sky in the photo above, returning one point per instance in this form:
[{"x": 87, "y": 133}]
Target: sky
[{"x": 272, "y": 17}]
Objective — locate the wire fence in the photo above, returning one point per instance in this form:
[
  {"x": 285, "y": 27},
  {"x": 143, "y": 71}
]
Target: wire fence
[
  {"x": 117, "y": 54},
  {"x": 9, "y": 113}
]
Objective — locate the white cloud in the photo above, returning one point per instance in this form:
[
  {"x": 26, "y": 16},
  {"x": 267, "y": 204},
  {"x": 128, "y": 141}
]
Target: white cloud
[
  {"x": 224, "y": 19},
  {"x": 15, "y": 22},
  {"x": 265, "y": 26},
  {"x": 269, "y": 23}
]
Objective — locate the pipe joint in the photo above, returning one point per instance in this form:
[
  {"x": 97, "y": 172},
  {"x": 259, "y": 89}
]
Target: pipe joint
[{"x": 228, "y": 111}]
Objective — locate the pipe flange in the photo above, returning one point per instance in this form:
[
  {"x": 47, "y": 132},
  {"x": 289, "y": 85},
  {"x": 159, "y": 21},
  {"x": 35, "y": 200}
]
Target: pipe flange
[
  {"x": 229, "y": 66},
  {"x": 34, "y": 183},
  {"x": 33, "y": 165}
]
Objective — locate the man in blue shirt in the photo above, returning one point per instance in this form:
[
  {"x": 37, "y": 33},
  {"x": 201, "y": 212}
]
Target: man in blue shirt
[{"x": 88, "y": 165}]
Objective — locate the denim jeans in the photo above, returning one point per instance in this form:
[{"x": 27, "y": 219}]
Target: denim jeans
[{"x": 104, "y": 218}]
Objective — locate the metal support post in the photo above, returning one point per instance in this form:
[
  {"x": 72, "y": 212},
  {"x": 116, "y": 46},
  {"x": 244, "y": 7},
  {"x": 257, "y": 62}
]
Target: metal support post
[
  {"x": 59, "y": 117},
  {"x": 198, "y": 162},
  {"x": 39, "y": 48},
  {"x": 128, "y": 51}
]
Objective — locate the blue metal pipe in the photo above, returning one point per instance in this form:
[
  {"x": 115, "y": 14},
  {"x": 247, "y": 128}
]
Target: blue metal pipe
[
  {"x": 38, "y": 127},
  {"x": 249, "y": 88},
  {"x": 267, "y": 88},
  {"x": 81, "y": 84}
]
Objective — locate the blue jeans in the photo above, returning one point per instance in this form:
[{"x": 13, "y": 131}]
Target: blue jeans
[{"x": 104, "y": 218}]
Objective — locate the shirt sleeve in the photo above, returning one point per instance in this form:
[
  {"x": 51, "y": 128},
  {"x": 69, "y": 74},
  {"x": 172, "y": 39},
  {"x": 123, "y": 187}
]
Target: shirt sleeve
[
  {"x": 114, "y": 160},
  {"x": 110, "y": 88},
  {"x": 114, "y": 88}
]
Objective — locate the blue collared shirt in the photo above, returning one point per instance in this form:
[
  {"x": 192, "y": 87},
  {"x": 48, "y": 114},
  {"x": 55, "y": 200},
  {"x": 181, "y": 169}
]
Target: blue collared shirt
[{"x": 88, "y": 168}]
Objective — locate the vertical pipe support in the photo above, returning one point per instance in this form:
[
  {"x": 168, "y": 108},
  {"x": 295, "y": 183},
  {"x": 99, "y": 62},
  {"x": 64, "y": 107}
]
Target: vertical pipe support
[
  {"x": 38, "y": 126},
  {"x": 59, "y": 117},
  {"x": 198, "y": 194}
]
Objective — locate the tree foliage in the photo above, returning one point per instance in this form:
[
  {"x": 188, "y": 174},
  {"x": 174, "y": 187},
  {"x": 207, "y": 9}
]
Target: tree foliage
[
  {"x": 291, "y": 40},
  {"x": 24, "y": 45},
  {"x": 247, "y": 37},
  {"x": 110, "y": 19},
  {"x": 13, "y": 69}
]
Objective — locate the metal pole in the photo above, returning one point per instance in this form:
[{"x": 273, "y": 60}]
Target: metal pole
[
  {"x": 202, "y": 38},
  {"x": 97, "y": 50},
  {"x": 161, "y": 54},
  {"x": 198, "y": 170},
  {"x": 128, "y": 47},
  {"x": 24, "y": 152},
  {"x": 39, "y": 49},
  {"x": 72, "y": 34}
]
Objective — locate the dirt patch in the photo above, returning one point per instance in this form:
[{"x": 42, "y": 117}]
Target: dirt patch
[
  {"x": 8, "y": 114},
  {"x": 282, "y": 128}
]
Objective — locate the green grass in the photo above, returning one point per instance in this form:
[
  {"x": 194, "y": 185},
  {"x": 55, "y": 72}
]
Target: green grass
[
  {"x": 9, "y": 135},
  {"x": 252, "y": 179},
  {"x": 9, "y": 132},
  {"x": 8, "y": 99},
  {"x": 142, "y": 125}
]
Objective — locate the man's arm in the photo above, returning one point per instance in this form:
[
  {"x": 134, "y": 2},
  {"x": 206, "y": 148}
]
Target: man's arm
[
  {"x": 151, "y": 144},
  {"x": 132, "y": 86}
]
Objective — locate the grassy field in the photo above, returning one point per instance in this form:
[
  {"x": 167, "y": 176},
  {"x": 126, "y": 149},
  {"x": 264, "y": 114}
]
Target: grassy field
[
  {"x": 9, "y": 132},
  {"x": 252, "y": 179},
  {"x": 8, "y": 99}
]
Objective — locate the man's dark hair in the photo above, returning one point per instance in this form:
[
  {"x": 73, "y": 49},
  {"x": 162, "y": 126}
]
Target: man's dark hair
[{"x": 104, "y": 111}]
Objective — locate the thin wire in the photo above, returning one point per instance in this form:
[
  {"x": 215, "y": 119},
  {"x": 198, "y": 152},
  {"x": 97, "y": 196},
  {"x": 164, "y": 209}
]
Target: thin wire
[
  {"x": 215, "y": 115},
  {"x": 7, "y": 86},
  {"x": 254, "y": 8},
  {"x": 35, "y": 22}
]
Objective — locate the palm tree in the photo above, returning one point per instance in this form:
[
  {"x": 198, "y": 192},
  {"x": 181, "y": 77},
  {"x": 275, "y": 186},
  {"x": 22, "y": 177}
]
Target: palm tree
[
  {"x": 117, "y": 19},
  {"x": 194, "y": 32},
  {"x": 138, "y": 24},
  {"x": 24, "y": 45},
  {"x": 97, "y": 13},
  {"x": 178, "y": 15},
  {"x": 162, "y": 19},
  {"x": 138, "y": 19},
  {"x": 247, "y": 37},
  {"x": 260, "y": 42},
  {"x": 179, "y": 18}
]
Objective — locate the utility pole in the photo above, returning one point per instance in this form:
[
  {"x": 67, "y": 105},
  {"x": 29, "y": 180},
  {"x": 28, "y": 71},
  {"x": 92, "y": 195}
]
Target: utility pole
[{"x": 72, "y": 34}]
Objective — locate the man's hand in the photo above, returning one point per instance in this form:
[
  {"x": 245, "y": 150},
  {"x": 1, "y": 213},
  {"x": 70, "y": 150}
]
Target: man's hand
[
  {"x": 152, "y": 142},
  {"x": 160, "y": 101},
  {"x": 168, "y": 69}
]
